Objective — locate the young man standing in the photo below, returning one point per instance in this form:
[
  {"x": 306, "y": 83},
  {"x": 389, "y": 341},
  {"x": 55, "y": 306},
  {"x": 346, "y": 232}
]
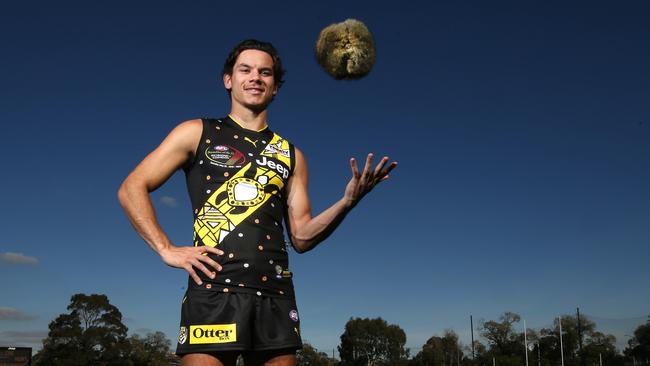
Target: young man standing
[{"x": 243, "y": 180}]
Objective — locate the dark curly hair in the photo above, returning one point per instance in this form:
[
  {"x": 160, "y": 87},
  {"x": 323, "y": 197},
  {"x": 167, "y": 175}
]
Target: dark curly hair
[{"x": 253, "y": 44}]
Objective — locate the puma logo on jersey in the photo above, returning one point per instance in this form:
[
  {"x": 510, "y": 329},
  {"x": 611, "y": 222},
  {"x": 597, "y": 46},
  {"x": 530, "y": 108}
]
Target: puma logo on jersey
[
  {"x": 275, "y": 166},
  {"x": 251, "y": 141}
]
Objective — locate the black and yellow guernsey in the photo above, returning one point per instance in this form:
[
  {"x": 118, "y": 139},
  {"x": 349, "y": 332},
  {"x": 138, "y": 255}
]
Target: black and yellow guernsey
[{"x": 237, "y": 186}]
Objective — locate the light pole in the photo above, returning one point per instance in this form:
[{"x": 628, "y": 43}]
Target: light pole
[{"x": 559, "y": 320}]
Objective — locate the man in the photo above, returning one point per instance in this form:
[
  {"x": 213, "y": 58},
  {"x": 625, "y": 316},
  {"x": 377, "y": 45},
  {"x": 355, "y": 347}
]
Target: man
[{"x": 244, "y": 180}]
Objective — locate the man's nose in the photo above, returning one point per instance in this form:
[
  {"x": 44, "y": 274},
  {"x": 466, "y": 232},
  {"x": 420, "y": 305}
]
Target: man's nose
[{"x": 255, "y": 76}]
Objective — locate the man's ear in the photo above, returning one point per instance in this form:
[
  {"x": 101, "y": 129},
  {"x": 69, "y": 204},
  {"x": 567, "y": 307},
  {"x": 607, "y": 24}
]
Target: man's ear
[{"x": 227, "y": 81}]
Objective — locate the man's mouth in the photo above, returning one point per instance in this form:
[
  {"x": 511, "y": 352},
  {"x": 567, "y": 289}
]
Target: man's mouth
[{"x": 254, "y": 90}]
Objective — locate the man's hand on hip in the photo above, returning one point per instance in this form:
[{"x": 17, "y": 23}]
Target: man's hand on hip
[{"x": 189, "y": 258}]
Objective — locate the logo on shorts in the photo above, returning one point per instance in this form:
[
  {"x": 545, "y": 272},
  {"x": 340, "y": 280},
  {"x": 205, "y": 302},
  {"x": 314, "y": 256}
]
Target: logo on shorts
[
  {"x": 293, "y": 314},
  {"x": 213, "y": 333},
  {"x": 182, "y": 335}
]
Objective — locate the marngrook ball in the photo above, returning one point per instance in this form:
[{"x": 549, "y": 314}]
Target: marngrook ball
[{"x": 346, "y": 50}]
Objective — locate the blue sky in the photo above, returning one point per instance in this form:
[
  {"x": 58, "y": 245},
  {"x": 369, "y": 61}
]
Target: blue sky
[{"x": 522, "y": 131}]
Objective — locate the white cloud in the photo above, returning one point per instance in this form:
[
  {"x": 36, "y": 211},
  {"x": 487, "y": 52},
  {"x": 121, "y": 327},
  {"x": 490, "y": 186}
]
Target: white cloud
[
  {"x": 169, "y": 201},
  {"x": 17, "y": 258},
  {"x": 21, "y": 338},
  {"x": 7, "y": 313}
]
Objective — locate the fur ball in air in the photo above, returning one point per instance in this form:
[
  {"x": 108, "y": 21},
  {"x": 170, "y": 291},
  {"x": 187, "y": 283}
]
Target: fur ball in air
[{"x": 346, "y": 50}]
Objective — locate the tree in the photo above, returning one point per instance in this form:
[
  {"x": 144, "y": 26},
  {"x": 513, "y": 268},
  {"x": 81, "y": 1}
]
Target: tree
[
  {"x": 152, "y": 350},
  {"x": 595, "y": 344},
  {"x": 371, "y": 342},
  {"x": 92, "y": 333},
  {"x": 309, "y": 355},
  {"x": 501, "y": 336},
  {"x": 441, "y": 351},
  {"x": 639, "y": 345}
]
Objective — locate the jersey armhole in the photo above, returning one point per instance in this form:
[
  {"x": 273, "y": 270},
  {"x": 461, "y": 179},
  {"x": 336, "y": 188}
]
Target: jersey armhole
[
  {"x": 205, "y": 128},
  {"x": 292, "y": 158}
]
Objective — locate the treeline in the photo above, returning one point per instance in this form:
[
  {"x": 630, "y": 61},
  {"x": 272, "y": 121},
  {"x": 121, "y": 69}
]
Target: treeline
[
  {"x": 92, "y": 333},
  {"x": 370, "y": 342}
]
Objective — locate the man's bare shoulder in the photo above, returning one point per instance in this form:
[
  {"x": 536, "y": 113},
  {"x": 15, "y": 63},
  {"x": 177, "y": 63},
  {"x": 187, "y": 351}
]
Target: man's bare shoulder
[
  {"x": 191, "y": 126},
  {"x": 186, "y": 134}
]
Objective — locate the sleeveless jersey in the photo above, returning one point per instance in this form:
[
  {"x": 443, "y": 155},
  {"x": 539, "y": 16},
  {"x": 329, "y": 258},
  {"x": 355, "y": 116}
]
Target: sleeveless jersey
[{"x": 237, "y": 188}]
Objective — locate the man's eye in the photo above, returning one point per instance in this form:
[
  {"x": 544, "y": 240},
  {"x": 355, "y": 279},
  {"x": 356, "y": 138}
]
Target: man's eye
[
  {"x": 266, "y": 73},
  {"x": 244, "y": 70}
]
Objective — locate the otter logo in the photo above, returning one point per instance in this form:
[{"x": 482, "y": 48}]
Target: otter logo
[
  {"x": 284, "y": 172},
  {"x": 214, "y": 333}
]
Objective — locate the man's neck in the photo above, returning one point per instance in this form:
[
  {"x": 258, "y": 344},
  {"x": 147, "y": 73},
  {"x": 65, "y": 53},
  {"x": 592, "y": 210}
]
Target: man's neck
[{"x": 248, "y": 119}]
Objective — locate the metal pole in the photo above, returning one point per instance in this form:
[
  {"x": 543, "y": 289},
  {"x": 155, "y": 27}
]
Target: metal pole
[
  {"x": 494, "y": 362},
  {"x": 559, "y": 320},
  {"x": 525, "y": 343},
  {"x": 539, "y": 357},
  {"x": 600, "y": 357},
  {"x": 582, "y": 356},
  {"x": 471, "y": 324}
]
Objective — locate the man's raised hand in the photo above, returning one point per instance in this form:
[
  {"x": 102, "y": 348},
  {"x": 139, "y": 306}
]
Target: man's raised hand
[{"x": 362, "y": 183}]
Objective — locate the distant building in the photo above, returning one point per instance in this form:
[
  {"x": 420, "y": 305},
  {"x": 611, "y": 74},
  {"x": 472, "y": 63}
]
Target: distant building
[{"x": 15, "y": 356}]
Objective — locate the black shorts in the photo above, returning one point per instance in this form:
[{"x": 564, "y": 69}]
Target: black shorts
[{"x": 216, "y": 321}]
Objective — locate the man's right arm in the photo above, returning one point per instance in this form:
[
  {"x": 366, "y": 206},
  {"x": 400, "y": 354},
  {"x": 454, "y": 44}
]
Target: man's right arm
[{"x": 177, "y": 148}]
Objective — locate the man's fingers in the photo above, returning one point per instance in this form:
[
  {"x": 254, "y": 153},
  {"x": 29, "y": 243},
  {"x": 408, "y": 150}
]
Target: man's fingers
[
  {"x": 193, "y": 274},
  {"x": 390, "y": 167},
  {"x": 207, "y": 260},
  {"x": 353, "y": 166},
  {"x": 366, "y": 169},
  {"x": 381, "y": 164},
  {"x": 198, "y": 265},
  {"x": 209, "y": 249}
]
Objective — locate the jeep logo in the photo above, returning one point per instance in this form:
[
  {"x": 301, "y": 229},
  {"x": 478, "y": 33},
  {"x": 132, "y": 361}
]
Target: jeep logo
[{"x": 284, "y": 172}]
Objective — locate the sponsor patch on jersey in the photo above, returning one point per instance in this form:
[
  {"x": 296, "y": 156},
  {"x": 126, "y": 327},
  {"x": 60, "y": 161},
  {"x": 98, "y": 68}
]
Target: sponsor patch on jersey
[
  {"x": 293, "y": 314},
  {"x": 273, "y": 149},
  {"x": 279, "y": 167},
  {"x": 225, "y": 156},
  {"x": 213, "y": 333},
  {"x": 182, "y": 335}
]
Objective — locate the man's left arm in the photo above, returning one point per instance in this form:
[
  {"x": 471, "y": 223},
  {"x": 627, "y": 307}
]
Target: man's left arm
[{"x": 307, "y": 231}]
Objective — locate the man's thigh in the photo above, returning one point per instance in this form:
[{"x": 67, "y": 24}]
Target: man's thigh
[
  {"x": 282, "y": 357},
  {"x": 210, "y": 359}
]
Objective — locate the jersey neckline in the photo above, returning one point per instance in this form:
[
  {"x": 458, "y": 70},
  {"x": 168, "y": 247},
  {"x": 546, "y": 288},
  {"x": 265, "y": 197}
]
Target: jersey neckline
[{"x": 238, "y": 125}]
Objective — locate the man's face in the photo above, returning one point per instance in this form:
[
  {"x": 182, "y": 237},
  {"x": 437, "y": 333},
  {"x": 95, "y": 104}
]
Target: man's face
[{"x": 252, "y": 84}]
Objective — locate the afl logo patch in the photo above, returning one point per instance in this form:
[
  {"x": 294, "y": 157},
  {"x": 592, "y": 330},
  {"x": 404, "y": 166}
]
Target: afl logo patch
[
  {"x": 182, "y": 335},
  {"x": 293, "y": 314},
  {"x": 225, "y": 156}
]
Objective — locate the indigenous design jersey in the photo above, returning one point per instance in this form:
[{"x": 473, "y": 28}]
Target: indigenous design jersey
[{"x": 237, "y": 188}]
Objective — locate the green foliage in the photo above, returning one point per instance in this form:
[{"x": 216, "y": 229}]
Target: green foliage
[
  {"x": 152, "y": 350},
  {"x": 501, "y": 336},
  {"x": 372, "y": 342},
  {"x": 639, "y": 345},
  {"x": 506, "y": 344},
  {"x": 309, "y": 355},
  {"x": 92, "y": 333},
  {"x": 595, "y": 344},
  {"x": 441, "y": 351}
]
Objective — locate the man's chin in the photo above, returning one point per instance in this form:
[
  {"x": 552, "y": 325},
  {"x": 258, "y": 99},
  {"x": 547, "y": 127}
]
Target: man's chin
[{"x": 257, "y": 107}]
